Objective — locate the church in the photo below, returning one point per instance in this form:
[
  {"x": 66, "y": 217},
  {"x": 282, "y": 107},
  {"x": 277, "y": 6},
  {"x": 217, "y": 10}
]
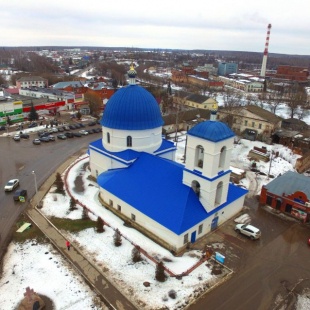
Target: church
[{"x": 172, "y": 203}]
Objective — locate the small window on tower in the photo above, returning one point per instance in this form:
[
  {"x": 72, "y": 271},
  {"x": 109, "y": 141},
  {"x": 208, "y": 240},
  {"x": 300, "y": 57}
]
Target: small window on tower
[
  {"x": 129, "y": 141},
  {"x": 108, "y": 137}
]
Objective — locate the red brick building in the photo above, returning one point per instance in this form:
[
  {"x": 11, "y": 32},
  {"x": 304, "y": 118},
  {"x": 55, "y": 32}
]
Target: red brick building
[
  {"x": 290, "y": 194},
  {"x": 292, "y": 73}
]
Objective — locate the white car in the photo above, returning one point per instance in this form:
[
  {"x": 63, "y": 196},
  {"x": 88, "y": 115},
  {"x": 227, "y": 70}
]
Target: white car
[
  {"x": 248, "y": 230},
  {"x": 11, "y": 185},
  {"x": 16, "y": 137},
  {"x": 83, "y": 132}
]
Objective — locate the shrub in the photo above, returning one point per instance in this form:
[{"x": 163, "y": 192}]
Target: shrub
[
  {"x": 117, "y": 238},
  {"x": 172, "y": 294},
  {"x": 160, "y": 272},
  {"x": 100, "y": 225},
  {"x": 59, "y": 184},
  {"x": 136, "y": 255},
  {"x": 72, "y": 204}
]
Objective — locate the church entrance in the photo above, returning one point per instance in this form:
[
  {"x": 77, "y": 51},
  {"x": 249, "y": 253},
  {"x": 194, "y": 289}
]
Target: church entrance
[
  {"x": 214, "y": 223},
  {"x": 193, "y": 237}
]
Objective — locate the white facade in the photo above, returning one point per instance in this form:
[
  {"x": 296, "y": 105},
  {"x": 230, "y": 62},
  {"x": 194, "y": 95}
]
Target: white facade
[
  {"x": 207, "y": 170},
  {"x": 176, "y": 242},
  {"x": 115, "y": 140}
]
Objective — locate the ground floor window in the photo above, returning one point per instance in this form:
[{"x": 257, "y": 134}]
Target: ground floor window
[
  {"x": 200, "y": 229},
  {"x": 185, "y": 239}
]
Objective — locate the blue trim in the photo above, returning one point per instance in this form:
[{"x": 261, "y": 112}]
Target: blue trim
[{"x": 199, "y": 173}]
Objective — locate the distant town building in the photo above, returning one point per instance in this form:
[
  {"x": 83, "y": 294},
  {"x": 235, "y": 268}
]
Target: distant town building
[
  {"x": 31, "y": 81},
  {"x": 226, "y": 68},
  {"x": 292, "y": 73}
]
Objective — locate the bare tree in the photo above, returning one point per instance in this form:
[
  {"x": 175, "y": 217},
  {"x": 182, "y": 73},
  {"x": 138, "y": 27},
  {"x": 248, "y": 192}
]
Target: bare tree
[{"x": 297, "y": 99}]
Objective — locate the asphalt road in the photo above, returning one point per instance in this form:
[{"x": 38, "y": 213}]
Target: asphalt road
[
  {"x": 20, "y": 158},
  {"x": 270, "y": 272}
]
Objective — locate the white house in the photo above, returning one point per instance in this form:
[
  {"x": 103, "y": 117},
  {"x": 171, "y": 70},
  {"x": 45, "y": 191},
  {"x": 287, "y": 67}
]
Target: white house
[{"x": 139, "y": 180}]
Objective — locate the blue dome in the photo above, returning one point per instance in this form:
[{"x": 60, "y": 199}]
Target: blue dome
[
  {"x": 132, "y": 108},
  {"x": 212, "y": 131}
]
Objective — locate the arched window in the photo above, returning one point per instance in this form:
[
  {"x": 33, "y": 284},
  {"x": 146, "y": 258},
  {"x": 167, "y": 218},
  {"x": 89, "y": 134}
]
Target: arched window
[
  {"x": 196, "y": 187},
  {"x": 218, "y": 195},
  {"x": 222, "y": 157},
  {"x": 199, "y": 156},
  {"x": 108, "y": 137},
  {"x": 129, "y": 141}
]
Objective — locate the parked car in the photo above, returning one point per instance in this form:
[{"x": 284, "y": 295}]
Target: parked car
[
  {"x": 16, "y": 137},
  {"x": 36, "y": 141},
  {"x": 67, "y": 128},
  {"x": 51, "y": 138},
  {"x": 92, "y": 123},
  {"x": 62, "y": 136},
  {"x": 34, "y": 124},
  {"x": 19, "y": 193},
  {"x": 60, "y": 129},
  {"x": 2, "y": 128},
  {"x": 11, "y": 185},
  {"x": 83, "y": 132},
  {"x": 248, "y": 230},
  {"x": 24, "y": 136},
  {"x": 81, "y": 125},
  {"x": 44, "y": 139},
  {"x": 77, "y": 134},
  {"x": 54, "y": 129},
  {"x": 69, "y": 134}
]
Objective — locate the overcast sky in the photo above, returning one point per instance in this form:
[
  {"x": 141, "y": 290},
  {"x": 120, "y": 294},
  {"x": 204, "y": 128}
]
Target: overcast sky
[{"x": 197, "y": 24}]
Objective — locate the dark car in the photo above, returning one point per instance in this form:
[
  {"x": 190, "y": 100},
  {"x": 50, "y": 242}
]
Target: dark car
[
  {"x": 90, "y": 131},
  {"x": 97, "y": 129},
  {"x": 2, "y": 127},
  {"x": 44, "y": 139},
  {"x": 77, "y": 134},
  {"x": 81, "y": 125},
  {"x": 62, "y": 136},
  {"x": 24, "y": 136},
  {"x": 71, "y": 127},
  {"x": 43, "y": 134},
  {"x": 34, "y": 124},
  {"x": 20, "y": 194},
  {"x": 51, "y": 138},
  {"x": 69, "y": 134},
  {"x": 92, "y": 123}
]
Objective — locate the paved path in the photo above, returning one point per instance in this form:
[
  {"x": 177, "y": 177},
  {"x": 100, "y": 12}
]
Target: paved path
[{"x": 93, "y": 276}]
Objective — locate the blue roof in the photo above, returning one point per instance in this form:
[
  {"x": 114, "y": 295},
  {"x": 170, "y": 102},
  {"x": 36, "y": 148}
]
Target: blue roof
[
  {"x": 153, "y": 186},
  {"x": 129, "y": 154},
  {"x": 132, "y": 108},
  {"x": 211, "y": 130}
]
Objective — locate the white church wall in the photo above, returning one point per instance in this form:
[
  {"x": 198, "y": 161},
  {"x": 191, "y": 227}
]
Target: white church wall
[
  {"x": 175, "y": 241},
  {"x": 142, "y": 140},
  {"x": 99, "y": 163}
]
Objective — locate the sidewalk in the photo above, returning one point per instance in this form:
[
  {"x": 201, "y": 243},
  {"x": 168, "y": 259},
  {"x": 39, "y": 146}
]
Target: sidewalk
[{"x": 94, "y": 277}]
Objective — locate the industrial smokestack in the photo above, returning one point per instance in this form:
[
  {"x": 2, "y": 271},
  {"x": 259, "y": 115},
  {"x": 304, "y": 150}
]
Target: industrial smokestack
[{"x": 264, "y": 64}]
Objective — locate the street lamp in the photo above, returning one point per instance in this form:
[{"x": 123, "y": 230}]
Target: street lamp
[{"x": 35, "y": 181}]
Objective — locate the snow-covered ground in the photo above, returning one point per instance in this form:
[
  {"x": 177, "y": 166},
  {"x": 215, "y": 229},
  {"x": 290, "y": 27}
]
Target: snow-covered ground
[{"x": 31, "y": 263}]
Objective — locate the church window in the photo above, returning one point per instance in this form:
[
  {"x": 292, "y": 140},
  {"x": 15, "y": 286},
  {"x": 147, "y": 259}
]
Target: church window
[
  {"x": 222, "y": 157},
  {"x": 119, "y": 208},
  {"x": 129, "y": 141},
  {"x": 133, "y": 217},
  {"x": 185, "y": 239},
  {"x": 245, "y": 123},
  {"x": 260, "y": 126},
  {"x": 111, "y": 203},
  {"x": 218, "y": 195},
  {"x": 200, "y": 229},
  {"x": 196, "y": 187},
  {"x": 108, "y": 137},
  {"x": 199, "y": 156}
]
